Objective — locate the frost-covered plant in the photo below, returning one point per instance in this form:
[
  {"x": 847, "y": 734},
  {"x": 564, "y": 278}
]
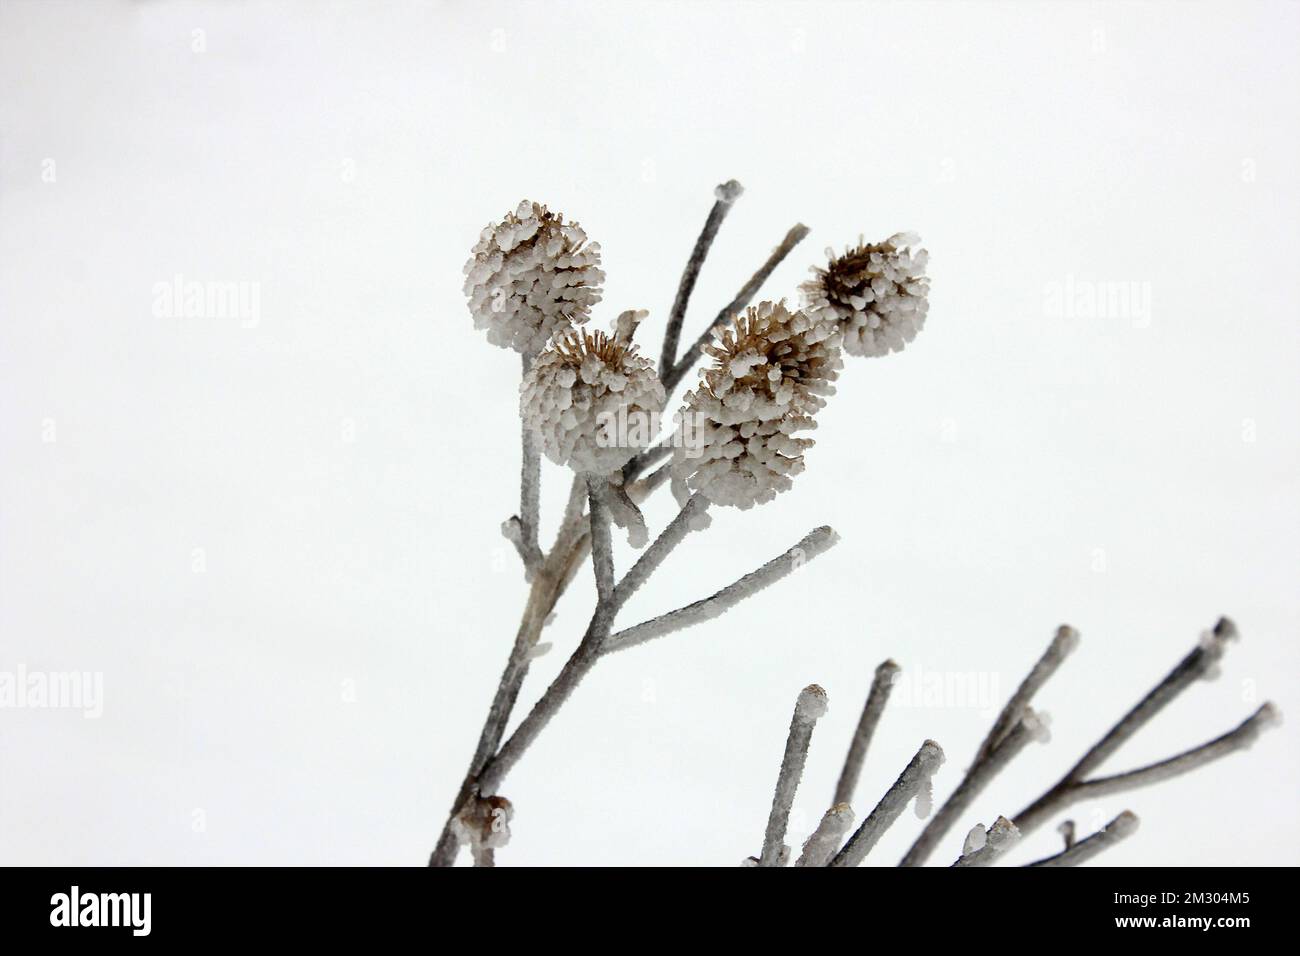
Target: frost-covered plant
[
  {"x": 530, "y": 275},
  {"x": 588, "y": 398},
  {"x": 770, "y": 374},
  {"x": 590, "y": 402},
  {"x": 878, "y": 292}
]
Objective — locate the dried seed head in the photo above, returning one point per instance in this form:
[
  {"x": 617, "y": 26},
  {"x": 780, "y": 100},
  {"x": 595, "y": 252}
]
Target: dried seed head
[
  {"x": 878, "y": 292},
  {"x": 531, "y": 274},
  {"x": 771, "y": 372},
  {"x": 484, "y": 822},
  {"x": 591, "y": 400}
]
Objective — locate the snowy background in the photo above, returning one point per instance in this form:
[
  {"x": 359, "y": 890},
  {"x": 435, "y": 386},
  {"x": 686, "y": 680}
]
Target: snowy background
[{"x": 277, "y": 539}]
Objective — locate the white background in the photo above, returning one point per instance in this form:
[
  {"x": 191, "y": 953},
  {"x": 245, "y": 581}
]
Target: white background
[{"x": 313, "y": 695}]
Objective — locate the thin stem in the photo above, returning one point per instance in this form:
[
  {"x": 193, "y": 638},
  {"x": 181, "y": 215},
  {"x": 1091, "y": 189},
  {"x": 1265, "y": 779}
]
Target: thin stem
[
  {"x": 1065, "y": 641},
  {"x": 1239, "y": 738},
  {"x": 1002, "y": 836},
  {"x": 1189, "y": 670},
  {"x": 1074, "y": 787},
  {"x": 1122, "y": 827},
  {"x": 977, "y": 778},
  {"x": 582, "y": 660},
  {"x": 648, "y": 458},
  {"x": 602, "y": 547},
  {"x": 654, "y": 555},
  {"x": 672, "y": 375},
  {"x": 810, "y": 706},
  {"x": 530, "y": 484},
  {"x": 877, "y": 698},
  {"x": 725, "y": 195},
  {"x": 547, "y": 585},
  {"x": 915, "y": 775},
  {"x": 812, "y": 544},
  {"x": 820, "y": 847}
]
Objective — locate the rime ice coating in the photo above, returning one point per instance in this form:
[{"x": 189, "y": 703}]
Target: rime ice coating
[
  {"x": 878, "y": 292},
  {"x": 531, "y": 275},
  {"x": 591, "y": 401},
  {"x": 771, "y": 372},
  {"x": 812, "y": 702},
  {"x": 484, "y": 823}
]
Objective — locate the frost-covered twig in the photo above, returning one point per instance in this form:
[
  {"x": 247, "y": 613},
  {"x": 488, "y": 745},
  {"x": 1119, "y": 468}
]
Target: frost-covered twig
[
  {"x": 1197, "y": 664},
  {"x": 654, "y": 555},
  {"x": 826, "y": 839},
  {"x": 909, "y": 784},
  {"x": 602, "y": 548},
  {"x": 1028, "y": 728},
  {"x": 671, "y": 376},
  {"x": 983, "y": 847},
  {"x": 548, "y": 584},
  {"x": 530, "y": 490},
  {"x": 577, "y": 666},
  {"x": 1239, "y": 738},
  {"x": 1074, "y": 786},
  {"x": 1118, "y": 829},
  {"x": 725, "y": 194},
  {"x": 648, "y": 458},
  {"x": 812, "y": 544},
  {"x": 1065, "y": 641},
  {"x": 810, "y": 706},
  {"x": 881, "y": 686}
]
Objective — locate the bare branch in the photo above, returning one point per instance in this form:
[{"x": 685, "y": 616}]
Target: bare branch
[
  {"x": 810, "y": 706},
  {"x": 1121, "y": 827},
  {"x": 977, "y": 778},
  {"x": 1065, "y": 641},
  {"x": 530, "y": 483},
  {"x": 1236, "y": 739},
  {"x": 1190, "y": 669},
  {"x": 648, "y": 458},
  {"x": 916, "y": 775},
  {"x": 542, "y": 596},
  {"x": 671, "y": 376},
  {"x": 582, "y": 659},
  {"x": 881, "y": 686},
  {"x": 812, "y": 544},
  {"x": 602, "y": 548},
  {"x": 821, "y": 846},
  {"x": 725, "y": 195},
  {"x": 654, "y": 555},
  {"x": 1073, "y": 787}
]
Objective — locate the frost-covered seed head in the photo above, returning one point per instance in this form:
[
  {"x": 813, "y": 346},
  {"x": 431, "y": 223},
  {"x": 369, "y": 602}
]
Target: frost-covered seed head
[
  {"x": 484, "y": 822},
  {"x": 530, "y": 275},
  {"x": 771, "y": 372},
  {"x": 878, "y": 292},
  {"x": 591, "y": 401}
]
